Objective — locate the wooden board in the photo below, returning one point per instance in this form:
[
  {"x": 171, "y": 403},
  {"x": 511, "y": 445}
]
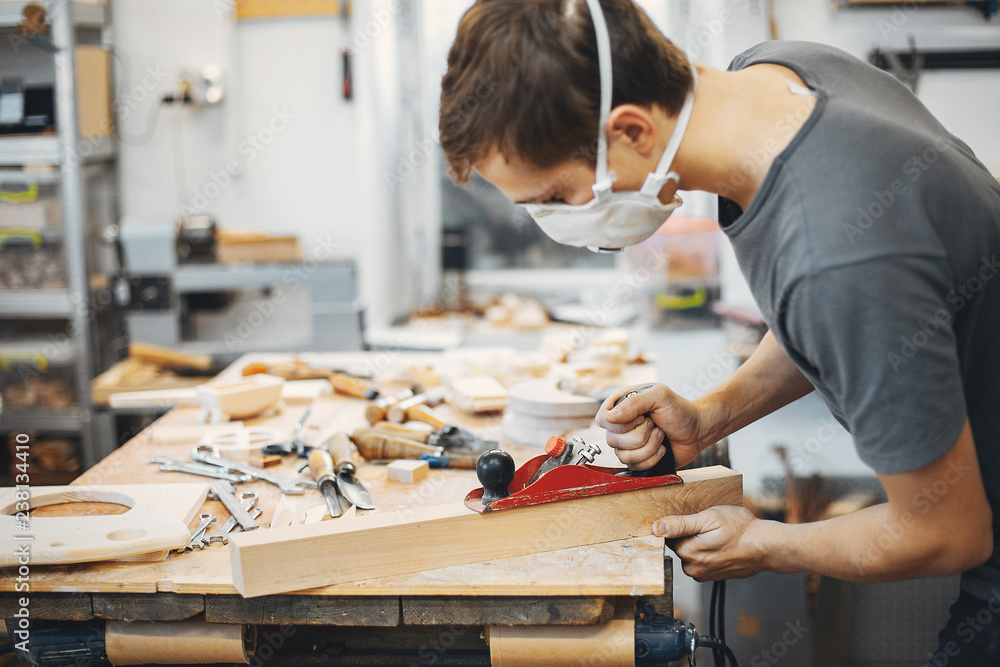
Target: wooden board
[
  {"x": 155, "y": 523},
  {"x": 454, "y": 535},
  {"x": 132, "y": 375}
]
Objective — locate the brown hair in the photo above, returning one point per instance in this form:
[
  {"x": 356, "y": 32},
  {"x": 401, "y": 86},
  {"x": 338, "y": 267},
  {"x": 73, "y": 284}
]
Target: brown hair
[{"x": 523, "y": 77}]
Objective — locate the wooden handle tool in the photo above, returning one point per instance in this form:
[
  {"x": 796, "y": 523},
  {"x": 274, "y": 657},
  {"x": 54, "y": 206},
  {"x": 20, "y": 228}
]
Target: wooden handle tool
[
  {"x": 376, "y": 412},
  {"x": 377, "y": 445},
  {"x": 345, "y": 384},
  {"x": 400, "y": 431},
  {"x": 423, "y": 413},
  {"x": 397, "y": 411},
  {"x": 321, "y": 465},
  {"x": 341, "y": 449}
]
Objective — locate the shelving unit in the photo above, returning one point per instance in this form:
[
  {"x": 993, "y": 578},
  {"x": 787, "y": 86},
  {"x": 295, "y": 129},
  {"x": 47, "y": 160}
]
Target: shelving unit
[{"x": 73, "y": 161}]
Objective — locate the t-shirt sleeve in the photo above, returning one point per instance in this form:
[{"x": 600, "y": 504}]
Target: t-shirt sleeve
[{"x": 878, "y": 336}]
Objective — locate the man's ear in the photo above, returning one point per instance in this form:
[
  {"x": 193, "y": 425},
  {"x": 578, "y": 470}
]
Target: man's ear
[{"x": 633, "y": 124}]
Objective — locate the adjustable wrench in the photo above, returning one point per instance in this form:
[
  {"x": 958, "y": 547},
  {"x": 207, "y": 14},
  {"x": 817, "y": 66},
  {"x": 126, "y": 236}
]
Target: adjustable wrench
[
  {"x": 226, "y": 494},
  {"x": 209, "y": 454},
  {"x": 192, "y": 468},
  {"x": 247, "y": 499}
]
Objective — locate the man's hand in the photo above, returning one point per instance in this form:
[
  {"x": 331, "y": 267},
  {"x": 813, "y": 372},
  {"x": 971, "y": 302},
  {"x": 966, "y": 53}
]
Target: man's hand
[
  {"x": 639, "y": 443},
  {"x": 717, "y": 543}
]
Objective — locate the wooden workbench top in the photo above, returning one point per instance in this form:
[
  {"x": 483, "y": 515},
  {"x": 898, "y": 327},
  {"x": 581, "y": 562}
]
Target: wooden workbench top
[{"x": 630, "y": 567}]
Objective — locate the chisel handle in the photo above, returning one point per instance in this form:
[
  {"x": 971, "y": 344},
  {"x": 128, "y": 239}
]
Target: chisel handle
[
  {"x": 423, "y": 413},
  {"x": 375, "y": 445},
  {"x": 397, "y": 411},
  {"x": 349, "y": 386},
  {"x": 341, "y": 450},
  {"x": 401, "y": 431},
  {"x": 376, "y": 412},
  {"x": 320, "y": 463}
]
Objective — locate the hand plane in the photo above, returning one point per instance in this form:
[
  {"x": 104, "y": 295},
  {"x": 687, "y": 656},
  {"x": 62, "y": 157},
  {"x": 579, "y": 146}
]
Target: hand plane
[{"x": 507, "y": 488}]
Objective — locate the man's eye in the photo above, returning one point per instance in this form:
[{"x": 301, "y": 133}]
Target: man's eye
[{"x": 553, "y": 200}]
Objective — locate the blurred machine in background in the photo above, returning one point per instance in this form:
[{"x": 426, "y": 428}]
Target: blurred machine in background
[{"x": 193, "y": 287}]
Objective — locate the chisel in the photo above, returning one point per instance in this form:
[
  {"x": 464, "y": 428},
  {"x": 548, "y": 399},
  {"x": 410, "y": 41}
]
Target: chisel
[
  {"x": 321, "y": 465},
  {"x": 342, "y": 452}
]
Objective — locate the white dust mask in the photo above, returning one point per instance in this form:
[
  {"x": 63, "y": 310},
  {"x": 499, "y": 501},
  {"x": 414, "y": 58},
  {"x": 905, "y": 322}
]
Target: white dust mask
[{"x": 612, "y": 220}]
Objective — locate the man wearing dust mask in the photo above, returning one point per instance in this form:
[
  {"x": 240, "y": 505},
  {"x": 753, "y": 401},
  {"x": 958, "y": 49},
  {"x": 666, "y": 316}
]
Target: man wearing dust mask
[{"x": 868, "y": 234}]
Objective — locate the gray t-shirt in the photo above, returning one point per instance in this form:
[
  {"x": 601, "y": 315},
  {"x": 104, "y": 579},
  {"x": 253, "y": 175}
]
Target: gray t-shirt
[{"x": 872, "y": 248}]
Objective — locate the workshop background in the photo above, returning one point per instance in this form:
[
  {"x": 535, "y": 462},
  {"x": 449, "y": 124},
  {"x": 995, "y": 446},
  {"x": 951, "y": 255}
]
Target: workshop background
[{"x": 223, "y": 177}]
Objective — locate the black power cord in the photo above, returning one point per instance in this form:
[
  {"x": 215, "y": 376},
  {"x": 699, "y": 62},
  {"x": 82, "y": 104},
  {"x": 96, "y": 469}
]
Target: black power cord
[
  {"x": 717, "y": 647},
  {"x": 717, "y": 624}
]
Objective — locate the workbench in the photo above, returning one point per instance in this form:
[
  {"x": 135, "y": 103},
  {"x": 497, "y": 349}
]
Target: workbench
[{"x": 578, "y": 586}]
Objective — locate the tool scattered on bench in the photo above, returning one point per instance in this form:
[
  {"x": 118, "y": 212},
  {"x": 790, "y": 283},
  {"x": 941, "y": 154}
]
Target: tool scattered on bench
[
  {"x": 454, "y": 440},
  {"x": 505, "y": 488},
  {"x": 298, "y": 445},
  {"x": 224, "y": 493},
  {"x": 195, "y": 468},
  {"x": 342, "y": 452},
  {"x": 397, "y": 412},
  {"x": 378, "y": 445},
  {"x": 199, "y": 532},
  {"x": 210, "y": 455},
  {"x": 247, "y": 500},
  {"x": 377, "y": 411},
  {"x": 321, "y": 465}
]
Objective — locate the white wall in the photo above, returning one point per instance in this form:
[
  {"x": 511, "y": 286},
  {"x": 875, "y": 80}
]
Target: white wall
[{"x": 321, "y": 176}]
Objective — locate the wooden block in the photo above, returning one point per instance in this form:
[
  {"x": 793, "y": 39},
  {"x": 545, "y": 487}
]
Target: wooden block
[
  {"x": 229, "y": 250},
  {"x": 265, "y": 460},
  {"x": 444, "y": 535},
  {"x": 481, "y": 393},
  {"x": 407, "y": 471}
]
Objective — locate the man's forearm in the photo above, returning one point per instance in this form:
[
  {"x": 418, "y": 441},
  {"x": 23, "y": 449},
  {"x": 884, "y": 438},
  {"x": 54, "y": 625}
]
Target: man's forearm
[{"x": 767, "y": 381}]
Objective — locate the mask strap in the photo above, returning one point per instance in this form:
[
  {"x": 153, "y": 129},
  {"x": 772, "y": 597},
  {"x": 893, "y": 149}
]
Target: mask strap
[
  {"x": 603, "y": 181},
  {"x": 655, "y": 181}
]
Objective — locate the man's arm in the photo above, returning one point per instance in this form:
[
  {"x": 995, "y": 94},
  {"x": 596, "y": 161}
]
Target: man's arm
[
  {"x": 937, "y": 522},
  {"x": 766, "y": 382}
]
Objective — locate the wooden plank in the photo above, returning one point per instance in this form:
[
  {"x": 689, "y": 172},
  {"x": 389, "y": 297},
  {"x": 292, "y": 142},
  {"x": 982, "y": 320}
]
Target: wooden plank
[
  {"x": 303, "y": 610},
  {"x": 148, "y": 606},
  {"x": 155, "y": 523},
  {"x": 505, "y": 610},
  {"x": 453, "y": 535},
  {"x": 55, "y": 606}
]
